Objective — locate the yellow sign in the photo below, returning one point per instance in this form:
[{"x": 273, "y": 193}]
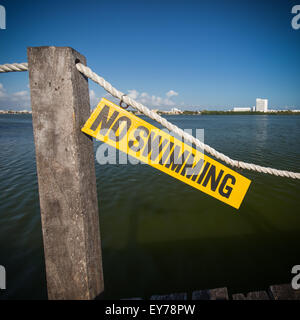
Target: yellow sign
[{"x": 141, "y": 140}]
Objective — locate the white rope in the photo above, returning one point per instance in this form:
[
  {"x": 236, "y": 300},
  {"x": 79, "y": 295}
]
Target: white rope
[
  {"x": 171, "y": 127},
  {"x": 14, "y": 67}
]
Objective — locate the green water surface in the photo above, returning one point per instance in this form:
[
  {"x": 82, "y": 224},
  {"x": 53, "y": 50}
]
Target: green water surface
[{"x": 159, "y": 235}]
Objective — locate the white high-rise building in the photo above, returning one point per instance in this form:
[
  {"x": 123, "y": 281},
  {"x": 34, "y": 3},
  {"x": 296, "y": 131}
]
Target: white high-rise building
[{"x": 261, "y": 105}]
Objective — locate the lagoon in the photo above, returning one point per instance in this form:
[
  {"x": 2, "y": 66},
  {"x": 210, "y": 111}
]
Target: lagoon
[{"x": 158, "y": 234}]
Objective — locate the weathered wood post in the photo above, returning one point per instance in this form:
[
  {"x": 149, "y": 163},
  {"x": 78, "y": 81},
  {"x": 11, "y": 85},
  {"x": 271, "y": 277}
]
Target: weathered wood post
[{"x": 66, "y": 173}]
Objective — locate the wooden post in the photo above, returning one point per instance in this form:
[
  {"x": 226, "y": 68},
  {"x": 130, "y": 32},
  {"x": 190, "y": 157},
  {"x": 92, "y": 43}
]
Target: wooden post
[{"x": 66, "y": 173}]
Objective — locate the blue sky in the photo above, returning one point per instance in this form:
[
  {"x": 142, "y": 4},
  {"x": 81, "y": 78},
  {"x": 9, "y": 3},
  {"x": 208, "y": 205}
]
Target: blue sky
[{"x": 209, "y": 54}]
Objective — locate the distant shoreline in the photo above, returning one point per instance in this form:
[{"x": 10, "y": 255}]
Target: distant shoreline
[
  {"x": 249, "y": 113},
  {"x": 205, "y": 112},
  {"x": 14, "y": 112},
  {"x": 193, "y": 113}
]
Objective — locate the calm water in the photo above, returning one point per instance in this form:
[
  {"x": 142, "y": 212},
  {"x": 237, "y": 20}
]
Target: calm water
[{"x": 158, "y": 234}]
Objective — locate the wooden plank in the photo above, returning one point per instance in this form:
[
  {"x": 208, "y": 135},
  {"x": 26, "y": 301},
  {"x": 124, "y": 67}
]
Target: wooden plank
[
  {"x": 258, "y": 295},
  {"x": 172, "y": 296},
  {"x": 213, "y": 294},
  {"x": 255, "y": 295},
  {"x": 66, "y": 174},
  {"x": 284, "y": 292},
  {"x": 238, "y": 296}
]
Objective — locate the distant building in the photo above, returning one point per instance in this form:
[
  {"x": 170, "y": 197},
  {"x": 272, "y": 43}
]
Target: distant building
[
  {"x": 237, "y": 109},
  {"x": 261, "y": 105},
  {"x": 175, "y": 111},
  {"x": 172, "y": 111}
]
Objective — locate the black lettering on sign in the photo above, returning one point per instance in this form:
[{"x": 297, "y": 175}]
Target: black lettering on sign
[
  {"x": 166, "y": 154},
  {"x": 203, "y": 173},
  {"x": 113, "y": 133},
  {"x": 154, "y": 146},
  {"x": 102, "y": 118},
  {"x": 195, "y": 171},
  {"x": 211, "y": 176},
  {"x": 187, "y": 168},
  {"x": 137, "y": 135},
  {"x": 176, "y": 161},
  {"x": 227, "y": 188}
]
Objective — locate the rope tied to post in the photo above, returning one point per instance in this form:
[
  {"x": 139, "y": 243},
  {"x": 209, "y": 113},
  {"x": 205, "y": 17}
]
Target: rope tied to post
[{"x": 168, "y": 125}]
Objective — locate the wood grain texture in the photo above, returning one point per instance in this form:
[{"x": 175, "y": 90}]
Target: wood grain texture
[
  {"x": 284, "y": 292},
  {"x": 255, "y": 295},
  {"x": 66, "y": 174},
  {"x": 212, "y": 294}
]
